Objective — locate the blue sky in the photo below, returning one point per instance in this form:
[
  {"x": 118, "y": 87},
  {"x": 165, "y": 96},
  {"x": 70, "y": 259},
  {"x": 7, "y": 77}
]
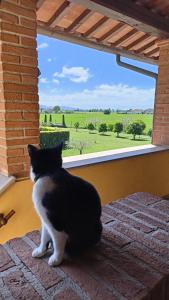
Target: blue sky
[{"x": 79, "y": 77}]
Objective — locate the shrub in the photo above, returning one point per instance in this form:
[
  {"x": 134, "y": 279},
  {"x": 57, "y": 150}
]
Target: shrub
[
  {"x": 45, "y": 119},
  {"x": 143, "y": 125},
  {"x": 135, "y": 128},
  {"x": 50, "y": 118},
  {"x": 103, "y": 127},
  {"x": 76, "y": 125},
  {"x": 149, "y": 133},
  {"x": 118, "y": 127},
  {"x": 91, "y": 127},
  {"x": 107, "y": 111},
  {"x": 51, "y": 138},
  {"x": 110, "y": 127},
  {"x": 63, "y": 121}
]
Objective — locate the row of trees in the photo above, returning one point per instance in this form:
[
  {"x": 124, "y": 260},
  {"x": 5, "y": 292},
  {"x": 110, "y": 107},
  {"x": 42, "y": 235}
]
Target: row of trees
[{"x": 134, "y": 128}]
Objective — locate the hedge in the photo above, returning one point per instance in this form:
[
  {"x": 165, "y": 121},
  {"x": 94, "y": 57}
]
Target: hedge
[{"x": 49, "y": 139}]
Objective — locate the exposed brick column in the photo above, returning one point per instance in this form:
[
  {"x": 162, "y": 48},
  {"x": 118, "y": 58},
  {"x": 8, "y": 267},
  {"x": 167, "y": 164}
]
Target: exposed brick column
[
  {"x": 161, "y": 112},
  {"x": 19, "y": 117}
]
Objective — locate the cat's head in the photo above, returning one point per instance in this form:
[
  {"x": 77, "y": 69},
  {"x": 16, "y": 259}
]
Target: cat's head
[{"x": 44, "y": 161}]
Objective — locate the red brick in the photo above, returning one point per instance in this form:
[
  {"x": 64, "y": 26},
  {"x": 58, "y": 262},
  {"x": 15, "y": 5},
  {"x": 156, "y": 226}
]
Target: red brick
[
  {"x": 28, "y": 42},
  {"x": 30, "y": 61},
  {"x": 138, "y": 271},
  {"x": 114, "y": 237},
  {"x": 127, "y": 218},
  {"x": 32, "y": 132},
  {"x": 17, "y": 10},
  {"x": 106, "y": 218},
  {"x": 20, "y": 69},
  {"x": 149, "y": 257},
  {"x": 119, "y": 205},
  {"x": 20, "y": 87},
  {"x": 19, "y": 286},
  {"x": 148, "y": 210},
  {"x": 138, "y": 236},
  {"x": 34, "y": 236},
  {"x": 5, "y": 261},
  {"x": 10, "y": 18},
  {"x": 161, "y": 236},
  {"x": 15, "y": 152},
  {"x": 27, "y": 23},
  {"x": 163, "y": 206},
  {"x": 9, "y": 58},
  {"x": 93, "y": 288},
  {"x": 37, "y": 267},
  {"x": 17, "y": 50},
  {"x": 151, "y": 221},
  {"x": 11, "y": 38},
  {"x": 28, "y": 3},
  {"x": 144, "y": 198},
  {"x": 67, "y": 294}
]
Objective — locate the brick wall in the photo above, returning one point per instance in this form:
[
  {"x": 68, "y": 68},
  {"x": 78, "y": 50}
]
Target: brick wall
[
  {"x": 19, "y": 123},
  {"x": 161, "y": 113}
]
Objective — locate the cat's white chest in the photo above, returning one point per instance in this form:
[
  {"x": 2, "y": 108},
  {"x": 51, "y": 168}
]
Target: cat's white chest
[{"x": 41, "y": 187}]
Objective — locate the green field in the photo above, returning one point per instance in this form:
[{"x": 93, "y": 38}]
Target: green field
[
  {"x": 98, "y": 117},
  {"x": 95, "y": 141}
]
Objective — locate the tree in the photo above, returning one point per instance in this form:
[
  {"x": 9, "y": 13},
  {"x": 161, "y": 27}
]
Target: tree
[
  {"x": 107, "y": 111},
  {"x": 135, "y": 128},
  {"x": 118, "y": 128},
  {"x": 63, "y": 121},
  {"x": 76, "y": 125},
  {"x": 80, "y": 145},
  {"x": 149, "y": 133},
  {"x": 102, "y": 128},
  {"x": 45, "y": 119},
  {"x": 90, "y": 127},
  {"x": 56, "y": 109},
  {"x": 110, "y": 127},
  {"x": 143, "y": 125},
  {"x": 50, "y": 118}
]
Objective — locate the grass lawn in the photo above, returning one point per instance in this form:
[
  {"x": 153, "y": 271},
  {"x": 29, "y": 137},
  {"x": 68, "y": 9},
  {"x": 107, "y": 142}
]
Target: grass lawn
[
  {"x": 97, "y": 142},
  {"x": 99, "y": 117}
]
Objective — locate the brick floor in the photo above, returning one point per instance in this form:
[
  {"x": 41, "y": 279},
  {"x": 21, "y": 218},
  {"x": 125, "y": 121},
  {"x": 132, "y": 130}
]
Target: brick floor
[{"x": 131, "y": 262}]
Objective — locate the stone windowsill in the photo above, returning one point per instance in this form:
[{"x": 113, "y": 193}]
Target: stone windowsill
[
  {"x": 5, "y": 182},
  {"x": 94, "y": 158},
  {"x": 110, "y": 155}
]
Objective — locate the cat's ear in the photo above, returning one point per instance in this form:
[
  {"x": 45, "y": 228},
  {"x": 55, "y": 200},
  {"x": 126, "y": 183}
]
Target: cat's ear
[
  {"x": 32, "y": 150},
  {"x": 59, "y": 148}
]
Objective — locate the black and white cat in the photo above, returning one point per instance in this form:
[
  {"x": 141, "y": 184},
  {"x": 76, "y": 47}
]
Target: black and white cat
[{"x": 68, "y": 206}]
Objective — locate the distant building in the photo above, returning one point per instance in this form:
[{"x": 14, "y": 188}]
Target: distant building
[
  {"x": 135, "y": 111},
  {"x": 148, "y": 111}
]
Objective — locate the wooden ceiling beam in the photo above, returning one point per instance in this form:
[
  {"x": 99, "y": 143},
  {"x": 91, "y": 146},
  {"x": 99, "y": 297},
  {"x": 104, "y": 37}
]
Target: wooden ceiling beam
[
  {"x": 137, "y": 42},
  {"x": 95, "y": 26},
  {"x": 69, "y": 37},
  {"x": 130, "y": 13},
  {"x": 124, "y": 37},
  {"x": 58, "y": 15},
  {"x": 146, "y": 46},
  {"x": 79, "y": 20},
  {"x": 111, "y": 32}
]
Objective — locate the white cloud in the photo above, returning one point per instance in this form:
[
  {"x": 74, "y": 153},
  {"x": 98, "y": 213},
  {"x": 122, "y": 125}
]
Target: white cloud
[
  {"x": 49, "y": 60},
  {"x": 75, "y": 74},
  {"x": 102, "y": 96},
  {"x": 55, "y": 80},
  {"x": 44, "y": 80},
  {"x": 43, "y": 46}
]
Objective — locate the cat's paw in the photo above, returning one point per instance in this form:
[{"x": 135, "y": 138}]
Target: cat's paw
[
  {"x": 55, "y": 260},
  {"x": 38, "y": 252}
]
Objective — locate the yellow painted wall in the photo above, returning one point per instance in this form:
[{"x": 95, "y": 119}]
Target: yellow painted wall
[{"x": 113, "y": 180}]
